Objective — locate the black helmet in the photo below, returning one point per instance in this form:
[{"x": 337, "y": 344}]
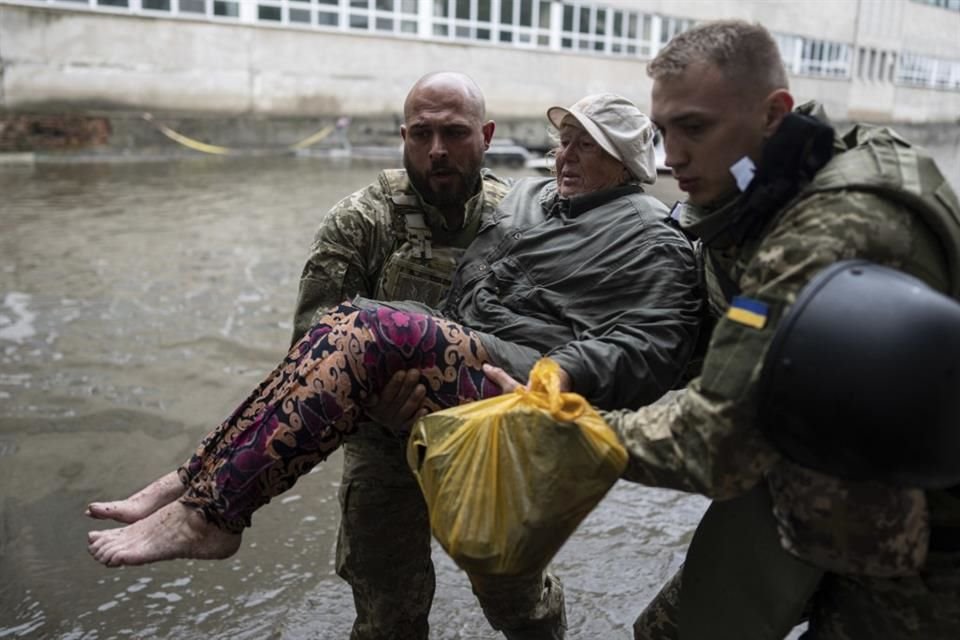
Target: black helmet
[{"x": 862, "y": 379}]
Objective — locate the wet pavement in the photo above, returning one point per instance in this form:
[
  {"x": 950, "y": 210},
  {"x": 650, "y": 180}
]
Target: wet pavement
[{"x": 139, "y": 303}]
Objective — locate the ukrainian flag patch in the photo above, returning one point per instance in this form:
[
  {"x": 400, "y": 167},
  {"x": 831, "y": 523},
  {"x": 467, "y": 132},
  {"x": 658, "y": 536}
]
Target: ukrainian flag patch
[{"x": 748, "y": 311}]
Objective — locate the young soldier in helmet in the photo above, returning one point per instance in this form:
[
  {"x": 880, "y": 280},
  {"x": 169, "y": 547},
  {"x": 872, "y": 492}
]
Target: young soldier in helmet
[{"x": 777, "y": 199}]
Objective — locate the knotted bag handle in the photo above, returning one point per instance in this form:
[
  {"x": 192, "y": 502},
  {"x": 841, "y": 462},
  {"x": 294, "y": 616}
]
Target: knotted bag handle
[{"x": 544, "y": 393}]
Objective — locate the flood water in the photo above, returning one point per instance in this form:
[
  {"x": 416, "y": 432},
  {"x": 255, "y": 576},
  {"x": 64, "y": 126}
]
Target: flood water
[{"x": 139, "y": 303}]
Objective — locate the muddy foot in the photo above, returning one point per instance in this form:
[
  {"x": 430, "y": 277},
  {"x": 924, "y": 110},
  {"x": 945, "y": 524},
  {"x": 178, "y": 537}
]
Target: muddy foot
[
  {"x": 141, "y": 504},
  {"x": 175, "y": 531}
]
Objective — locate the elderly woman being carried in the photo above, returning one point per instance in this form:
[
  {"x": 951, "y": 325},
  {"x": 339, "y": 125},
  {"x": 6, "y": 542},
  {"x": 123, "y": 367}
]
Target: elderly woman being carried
[{"x": 583, "y": 268}]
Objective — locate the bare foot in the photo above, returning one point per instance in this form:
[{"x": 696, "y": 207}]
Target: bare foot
[
  {"x": 175, "y": 531},
  {"x": 157, "y": 494}
]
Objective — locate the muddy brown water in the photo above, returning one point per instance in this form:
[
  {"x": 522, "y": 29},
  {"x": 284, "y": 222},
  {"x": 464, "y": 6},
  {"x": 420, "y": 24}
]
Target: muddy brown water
[{"x": 139, "y": 303}]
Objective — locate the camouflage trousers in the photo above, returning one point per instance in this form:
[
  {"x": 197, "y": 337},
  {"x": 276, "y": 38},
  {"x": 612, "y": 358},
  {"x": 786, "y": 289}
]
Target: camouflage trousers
[
  {"x": 923, "y": 606},
  {"x": 847, "y": 607},
  {"x": 660, "y": 620},
  {"x": 383, "y": 552}
]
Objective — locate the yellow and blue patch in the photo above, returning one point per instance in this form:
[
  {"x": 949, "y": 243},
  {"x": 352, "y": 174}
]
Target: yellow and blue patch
[{"x": 748, "y": 311}]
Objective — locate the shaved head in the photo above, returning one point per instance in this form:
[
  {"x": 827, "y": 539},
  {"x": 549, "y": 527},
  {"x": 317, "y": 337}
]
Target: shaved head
[
  {"x": 451, "y": 85},
  {"x": 445, "y": 134}
]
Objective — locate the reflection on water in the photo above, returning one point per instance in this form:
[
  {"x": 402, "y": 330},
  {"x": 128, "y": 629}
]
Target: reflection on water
[{"x": 139, "y": 303}]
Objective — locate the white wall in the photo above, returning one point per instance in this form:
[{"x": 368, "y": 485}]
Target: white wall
[
  {"x": 889, "y": 24},
  {"x": 930, "y": 30},
  {"x": 827, "y": 20},
  {"x": 51, "y": 58},
  {"x": 95, "y": 60}
]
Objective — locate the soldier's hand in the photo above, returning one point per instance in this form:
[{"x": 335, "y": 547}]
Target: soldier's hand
[{"x": 400, "y": 402}]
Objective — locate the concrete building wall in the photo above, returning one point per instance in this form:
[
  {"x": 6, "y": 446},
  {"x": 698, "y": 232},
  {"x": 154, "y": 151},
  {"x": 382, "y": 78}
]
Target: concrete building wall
[
  {"x": 930, "y": 30},
  {"x": 890, "y": 24},
  {"x": 834, "y": 95},
  {"x": 913, "y": 105},
  {"x": 799, "y": 18},
  {"x": 880, "y": 23},
  {"x": 54, "y": 58}
]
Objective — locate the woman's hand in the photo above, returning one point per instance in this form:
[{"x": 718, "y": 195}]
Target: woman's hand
[
  {"x": 499, "y": 377},
  {"x": 502, "y": 379}
]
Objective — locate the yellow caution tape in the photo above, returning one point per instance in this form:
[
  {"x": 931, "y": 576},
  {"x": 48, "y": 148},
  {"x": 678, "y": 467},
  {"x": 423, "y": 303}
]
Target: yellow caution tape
[
  {"x": 312, "y": 140},
  {"x": 203, "y": 147}
]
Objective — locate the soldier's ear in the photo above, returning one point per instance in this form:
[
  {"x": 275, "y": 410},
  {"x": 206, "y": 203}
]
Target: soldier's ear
[
  {"x": 403, "y": 132},
  {"x": 488, "y": 128},
  {"x": 776, "y": 107}
]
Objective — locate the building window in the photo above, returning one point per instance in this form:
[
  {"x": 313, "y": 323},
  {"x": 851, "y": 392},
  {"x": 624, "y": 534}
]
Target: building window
[
  {"x": 670, "y": 27},
  {"x": 193, "y": 6},
  {"x": 630, "y": 34},
  {"x": 269, "y": 12},
  {"x": 926, "y": 71},
  {"x": 298, "y": 12},
  {"x": 513, "y": 22},
  {"x": 805, "y": 56},
  {"x": 915, "y": 69},
  {"x": 224, "y": 8},
  {"x": 953, "y": 5},
  {"x": 822, "y": 58},
  {"x": 587, "y": 26}
]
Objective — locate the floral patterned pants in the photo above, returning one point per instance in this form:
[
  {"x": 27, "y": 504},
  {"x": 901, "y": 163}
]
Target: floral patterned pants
[{"x": 301, "y": 411}]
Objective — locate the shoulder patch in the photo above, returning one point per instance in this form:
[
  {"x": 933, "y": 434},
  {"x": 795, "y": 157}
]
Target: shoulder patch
[{"x": 748, "y": 311}]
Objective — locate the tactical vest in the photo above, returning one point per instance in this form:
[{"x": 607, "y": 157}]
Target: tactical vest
[
  {"x": 419, "y": 268},
  {"x": 878, "y": 160},
  {"x": 870, "y": 159}
]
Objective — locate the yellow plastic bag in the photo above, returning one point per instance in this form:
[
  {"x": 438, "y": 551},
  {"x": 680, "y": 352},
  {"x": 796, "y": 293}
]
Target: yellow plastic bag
[{"x": 508, "y": 479}]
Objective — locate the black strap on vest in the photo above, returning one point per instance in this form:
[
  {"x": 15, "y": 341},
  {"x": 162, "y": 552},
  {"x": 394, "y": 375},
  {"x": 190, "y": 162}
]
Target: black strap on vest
[
  {"x": 707, "y": 321},
  {"x": 728, "y": 285}
]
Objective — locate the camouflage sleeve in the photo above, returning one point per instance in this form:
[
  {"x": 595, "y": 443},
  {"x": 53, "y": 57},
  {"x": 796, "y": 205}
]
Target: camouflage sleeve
[
  {"x": 345, "y": 256},
  {"x": 705, "y": 439}
]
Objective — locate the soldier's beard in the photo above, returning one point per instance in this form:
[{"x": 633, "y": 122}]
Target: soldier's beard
[{"x": 455, "y": 195}]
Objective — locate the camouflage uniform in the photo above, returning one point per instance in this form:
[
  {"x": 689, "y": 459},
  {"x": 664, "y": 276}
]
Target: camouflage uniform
[
  {"x": 385, "y": 242},
  {"x": 869, "y": 540}
]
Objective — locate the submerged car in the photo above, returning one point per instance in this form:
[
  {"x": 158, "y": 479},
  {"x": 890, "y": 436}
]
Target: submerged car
[{"x": 506, "y": 152}]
